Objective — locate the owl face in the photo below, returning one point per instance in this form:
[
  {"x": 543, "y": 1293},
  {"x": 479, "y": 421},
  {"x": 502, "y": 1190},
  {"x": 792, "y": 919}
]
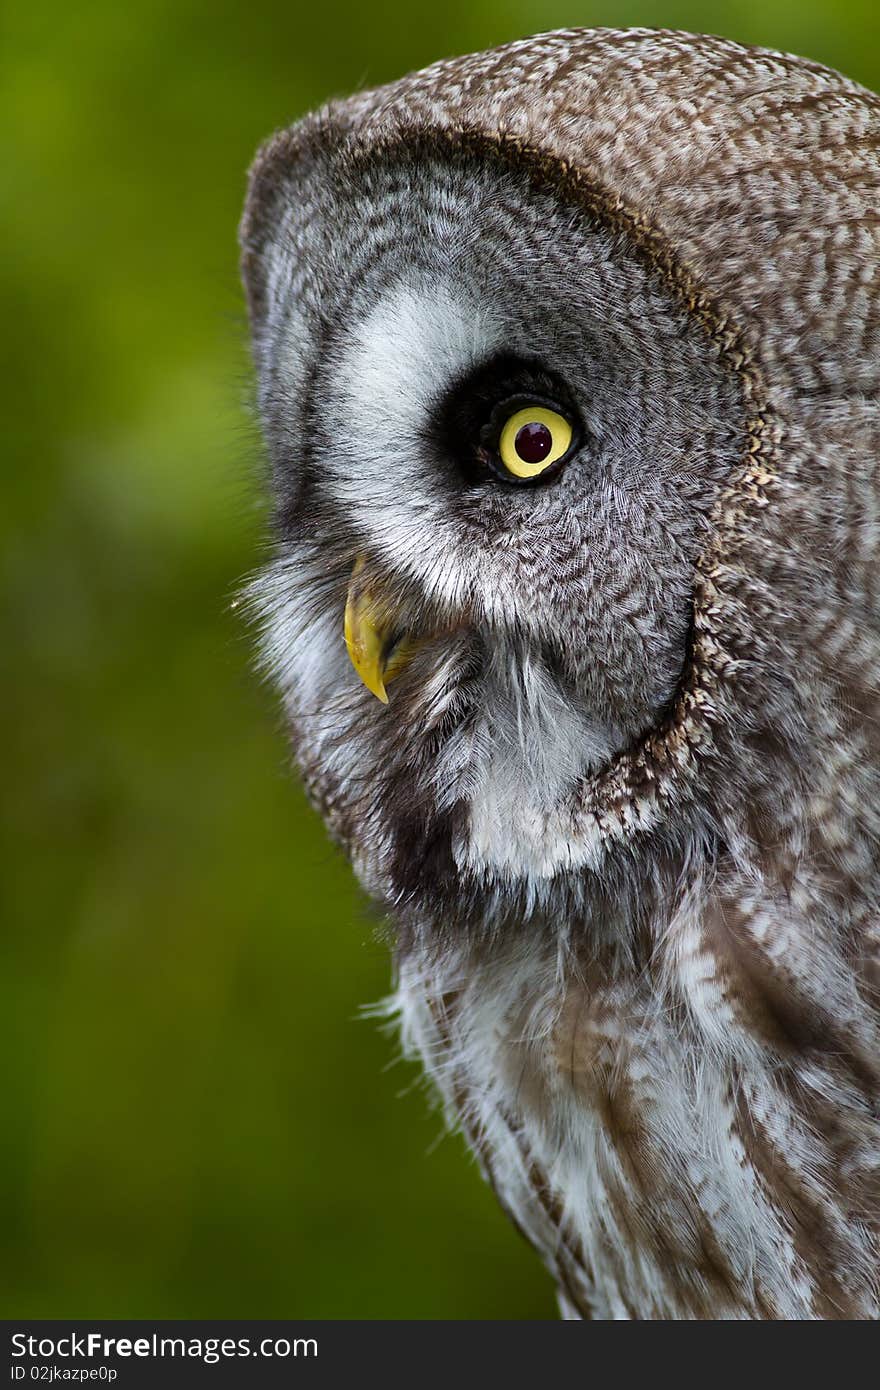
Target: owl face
[{"x": 497, "y": 437}]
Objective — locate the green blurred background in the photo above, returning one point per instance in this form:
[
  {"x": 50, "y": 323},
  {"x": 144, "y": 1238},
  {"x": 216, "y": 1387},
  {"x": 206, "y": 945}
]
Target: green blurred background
[{"x": 196, "y": 1122}]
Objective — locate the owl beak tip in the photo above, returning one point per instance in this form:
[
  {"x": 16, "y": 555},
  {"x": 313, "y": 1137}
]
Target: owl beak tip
[
  {"x": 365, "y": 636},
  {"x": 366, "y": 658},
  {"x": 373, "y": 679}
]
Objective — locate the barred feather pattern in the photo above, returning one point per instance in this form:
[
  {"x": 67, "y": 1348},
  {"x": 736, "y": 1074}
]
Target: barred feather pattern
[{"x": 635, "y": 888}]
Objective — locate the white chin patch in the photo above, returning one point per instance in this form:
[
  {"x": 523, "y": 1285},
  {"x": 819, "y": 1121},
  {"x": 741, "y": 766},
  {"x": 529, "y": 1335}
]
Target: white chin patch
[{"x": 535, "y": 748}]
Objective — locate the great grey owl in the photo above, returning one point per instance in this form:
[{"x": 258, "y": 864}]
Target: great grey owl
[{"x": 568, "y": 368}]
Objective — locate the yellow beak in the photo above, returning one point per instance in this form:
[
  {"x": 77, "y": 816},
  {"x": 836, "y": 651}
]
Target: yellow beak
[{"x": 378, "y": 647}]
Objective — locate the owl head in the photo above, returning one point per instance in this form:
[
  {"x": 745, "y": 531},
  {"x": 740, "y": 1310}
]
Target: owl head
[{"x": 524, "y": 362}]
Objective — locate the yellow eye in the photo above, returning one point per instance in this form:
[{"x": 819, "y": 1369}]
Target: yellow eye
[{"x": 532, "y": 439}]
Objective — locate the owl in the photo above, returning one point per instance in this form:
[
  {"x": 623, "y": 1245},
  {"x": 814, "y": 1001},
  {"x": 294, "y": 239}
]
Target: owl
[{"x": 568, "y": 359}]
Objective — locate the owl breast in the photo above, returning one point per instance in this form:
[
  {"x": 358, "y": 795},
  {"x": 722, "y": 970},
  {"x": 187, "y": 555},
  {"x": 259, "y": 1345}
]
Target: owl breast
[{"x": 661, "y": 1135}]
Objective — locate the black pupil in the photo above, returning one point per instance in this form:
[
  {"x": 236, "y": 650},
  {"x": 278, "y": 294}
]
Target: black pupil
[{"x": 533, "y": 442}]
